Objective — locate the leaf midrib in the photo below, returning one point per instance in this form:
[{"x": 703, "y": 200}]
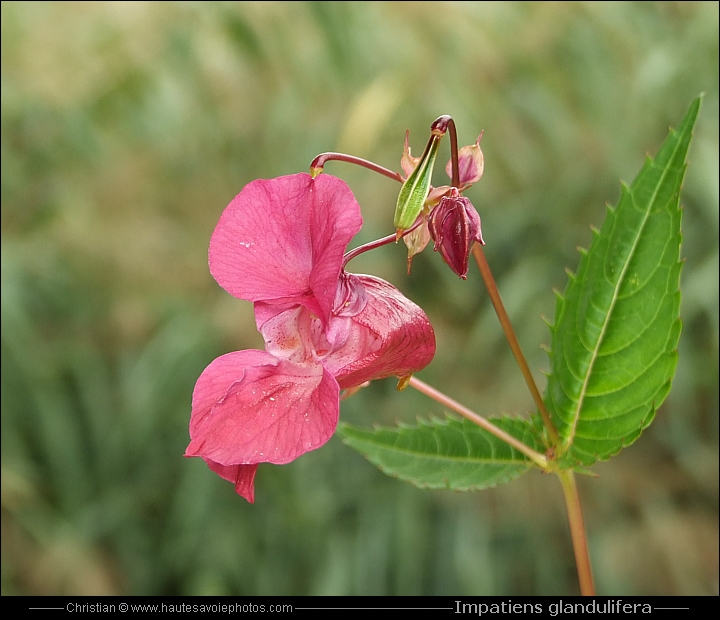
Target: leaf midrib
[
  {"x": 595, "y": 353},
  {"x": 440, "y": 457}
]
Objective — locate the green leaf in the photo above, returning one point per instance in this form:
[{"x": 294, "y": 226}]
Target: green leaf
[
  {"x": 614, "y": 343},
  {"x": 445, "y": 454}
]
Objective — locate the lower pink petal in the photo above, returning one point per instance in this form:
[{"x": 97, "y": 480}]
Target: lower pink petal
[
  {"x": 221, "y": 373},
  {"x": 242, "y": 476},
  {"x": 250, "y": 407}
]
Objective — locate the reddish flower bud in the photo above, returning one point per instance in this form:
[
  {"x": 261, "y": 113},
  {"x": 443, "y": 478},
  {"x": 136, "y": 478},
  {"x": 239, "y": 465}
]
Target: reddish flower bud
[{"x": 454, "y": 226}]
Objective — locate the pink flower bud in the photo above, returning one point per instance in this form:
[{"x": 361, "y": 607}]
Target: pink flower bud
[{"x": 454, "y": 226}]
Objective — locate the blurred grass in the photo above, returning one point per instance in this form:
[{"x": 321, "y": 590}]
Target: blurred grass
[{"x": 126, "y": 129}]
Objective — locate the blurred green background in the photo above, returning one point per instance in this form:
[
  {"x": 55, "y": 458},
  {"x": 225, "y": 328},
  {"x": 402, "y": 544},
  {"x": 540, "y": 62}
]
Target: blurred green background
[{"x": 126, "y": 129}]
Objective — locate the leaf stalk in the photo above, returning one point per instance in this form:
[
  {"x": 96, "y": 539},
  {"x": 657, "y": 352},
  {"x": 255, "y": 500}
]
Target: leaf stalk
[{"x": 448, "y": 402}]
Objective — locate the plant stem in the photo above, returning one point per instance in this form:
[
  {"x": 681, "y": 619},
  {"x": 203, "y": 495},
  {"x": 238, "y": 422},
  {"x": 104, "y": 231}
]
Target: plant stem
[
  {"x": 454, "y": 154},
  {"x": 317, "y": 165},
  {"x": 577, "y": 532},
  {"x": 378, "y": 243},
  {"x": 448, "y": 402},
  {"x": 497, "y": 303}
]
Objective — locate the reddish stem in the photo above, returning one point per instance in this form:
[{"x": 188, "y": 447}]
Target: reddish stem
[
  {"x": 504, "y": 319},
  {"x": 448, "y": 402},
  {"x": 577, "y": 532},
  {"x": 454, "y": 154},
  {"x": 378, "y": 243},
  {"x": 317, "y": 165}
]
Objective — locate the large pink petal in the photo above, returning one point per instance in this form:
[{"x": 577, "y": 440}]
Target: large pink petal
[
  {"x": 242, "y": 476},
  {"x": 250, "y": 407},
  {"x": 391, "y": 336},
  {"x": 221, "y": 373},
  {"x": 284, "y": 238}
]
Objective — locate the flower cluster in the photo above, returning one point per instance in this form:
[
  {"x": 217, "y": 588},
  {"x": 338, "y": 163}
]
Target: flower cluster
[
  {"x": 447, "y": 218},
  {"x": 280, "y": 244}
]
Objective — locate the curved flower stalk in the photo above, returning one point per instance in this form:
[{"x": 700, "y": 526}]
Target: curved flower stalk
[{"x": 280, "y": 244}]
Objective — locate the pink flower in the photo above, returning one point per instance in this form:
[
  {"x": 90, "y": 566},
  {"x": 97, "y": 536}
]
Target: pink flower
[{"x": 280, "y": 244}]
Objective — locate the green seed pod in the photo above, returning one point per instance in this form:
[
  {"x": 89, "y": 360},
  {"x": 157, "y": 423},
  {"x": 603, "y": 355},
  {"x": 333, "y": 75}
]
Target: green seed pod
[{"x": 416, "y": 187}]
